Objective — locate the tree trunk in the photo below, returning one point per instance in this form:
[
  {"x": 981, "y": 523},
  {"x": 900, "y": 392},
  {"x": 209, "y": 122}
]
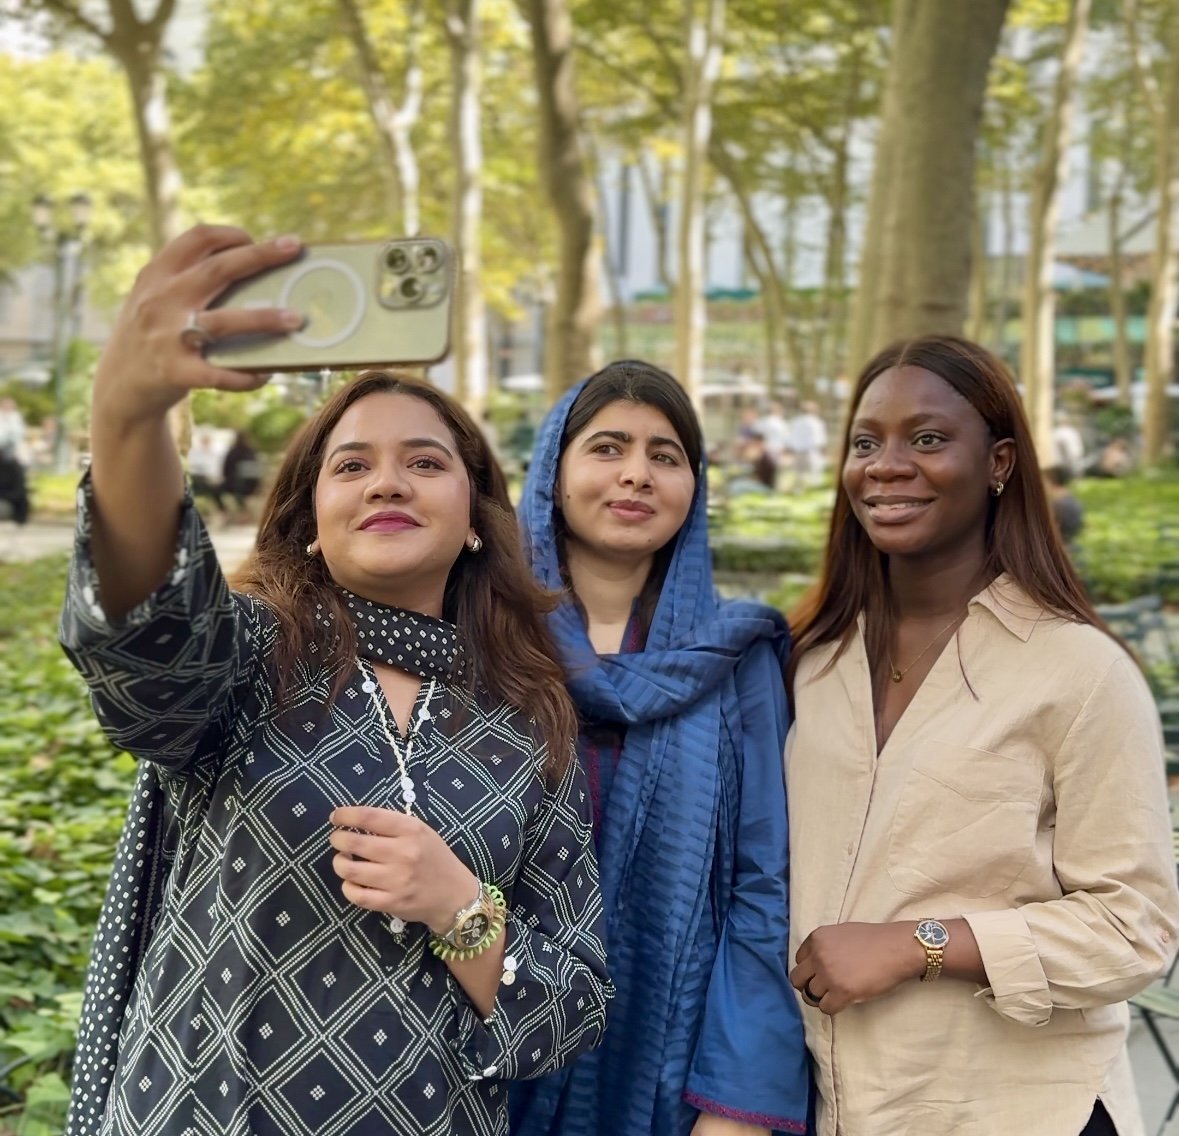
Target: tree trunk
[
  {"x": 656, "y": 196},
  {"x": 977, "y": 297},
  {"x": 1003, "y": 307},
  {"x": 1164, "y": 291},
  {"x": 759, "y": 254},
  {"x": 1123, "y": 370},
  {"x": 915, "y": 270},
  {"x": 394, "y": 123},
  {"x": 571, "y": 348},
  {"x": 612, "y": 251},
  {"x": 470, "y": 322},
  {"x": 1038, "y": 347},
  {"x": 705, "y": 29}
]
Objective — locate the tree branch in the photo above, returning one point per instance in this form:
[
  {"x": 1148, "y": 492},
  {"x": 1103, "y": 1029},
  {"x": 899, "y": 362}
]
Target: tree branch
[
  {"x": 73, "y": 16},
  {"x": 1147, "y": 84}
]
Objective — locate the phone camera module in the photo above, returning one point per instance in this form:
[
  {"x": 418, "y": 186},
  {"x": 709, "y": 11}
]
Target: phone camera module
[
  {"x": 397, "y": 259},
  {"x": 411, "y": 288},
  {"x": 428, "y": 258}
]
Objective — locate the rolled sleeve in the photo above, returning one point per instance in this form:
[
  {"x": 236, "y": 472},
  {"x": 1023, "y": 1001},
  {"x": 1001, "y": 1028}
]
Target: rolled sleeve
[
  {"x": 1112, "y": 931},
  {"x": 553, "y": 1006}
]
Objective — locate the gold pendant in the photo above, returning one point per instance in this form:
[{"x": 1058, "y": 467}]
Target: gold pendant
[{"x": 896, "y": 675}]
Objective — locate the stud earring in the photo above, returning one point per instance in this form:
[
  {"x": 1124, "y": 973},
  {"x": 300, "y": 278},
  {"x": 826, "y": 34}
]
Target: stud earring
[
  {"x": 476, "y": 544},
  {"x": 997, "y": 489},
  {"x": 311, "y": 549}
]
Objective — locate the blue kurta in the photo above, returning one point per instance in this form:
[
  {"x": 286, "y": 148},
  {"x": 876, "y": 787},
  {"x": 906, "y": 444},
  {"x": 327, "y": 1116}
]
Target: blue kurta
[{"x": 693, "y": 849}]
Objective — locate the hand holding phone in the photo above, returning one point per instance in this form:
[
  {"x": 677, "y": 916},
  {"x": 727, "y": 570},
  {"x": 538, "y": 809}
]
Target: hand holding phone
[{"x": 364, "y": 304}]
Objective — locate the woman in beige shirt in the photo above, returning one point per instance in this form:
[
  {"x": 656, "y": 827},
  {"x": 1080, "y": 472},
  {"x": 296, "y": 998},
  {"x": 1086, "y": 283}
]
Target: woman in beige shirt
[{"x": 981, "y": 859}]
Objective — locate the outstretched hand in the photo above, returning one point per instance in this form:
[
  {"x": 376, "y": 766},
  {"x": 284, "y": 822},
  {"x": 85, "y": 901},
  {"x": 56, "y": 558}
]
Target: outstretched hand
[
  {"x": 843, "y": 964},
  {"x": 149, "y": 363}
]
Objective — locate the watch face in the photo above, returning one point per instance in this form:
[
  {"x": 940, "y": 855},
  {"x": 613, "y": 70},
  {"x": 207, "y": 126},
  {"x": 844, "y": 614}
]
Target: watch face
[
  {"x": 932, "y": 934},
  {"x": 473, "y": 930}
]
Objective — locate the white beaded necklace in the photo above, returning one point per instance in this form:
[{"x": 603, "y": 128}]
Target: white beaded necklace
[{"x": 369, "y": 686}]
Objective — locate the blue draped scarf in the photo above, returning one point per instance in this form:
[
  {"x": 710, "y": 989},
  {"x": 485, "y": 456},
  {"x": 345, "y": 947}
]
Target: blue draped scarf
[{"x": 668, "y": 832}]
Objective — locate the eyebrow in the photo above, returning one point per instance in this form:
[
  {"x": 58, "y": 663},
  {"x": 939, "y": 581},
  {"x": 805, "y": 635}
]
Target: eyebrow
[
  {"x": 407, "y": 444},
  {"x": 913, "y": 420},
  {"x": 623, "y": 436}
]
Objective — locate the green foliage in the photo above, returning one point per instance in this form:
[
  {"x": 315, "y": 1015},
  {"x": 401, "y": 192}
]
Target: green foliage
[
  {"x": 1121, "y": 549},
  {"x": 63, "y": 794},
  {"x": 274, "y": 426}
]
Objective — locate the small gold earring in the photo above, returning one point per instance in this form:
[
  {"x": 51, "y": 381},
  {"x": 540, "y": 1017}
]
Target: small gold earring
[
  {"x": 997, "y": 491},
  {"x": 311, "y": 549},
  {"x": 476, "y": 544}
]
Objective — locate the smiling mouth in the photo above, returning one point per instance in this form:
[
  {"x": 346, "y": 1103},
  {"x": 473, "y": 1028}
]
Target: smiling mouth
[
  {"x": 894, "y": 510},
  {"x": 631, "y": 510},
  {"x": 389, "y": 522}
]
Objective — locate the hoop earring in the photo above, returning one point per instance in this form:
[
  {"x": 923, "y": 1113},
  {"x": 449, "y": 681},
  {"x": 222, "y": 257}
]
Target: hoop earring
[
  {"x": 475, "y": 545},
  {"x": 997, "y": 489}
]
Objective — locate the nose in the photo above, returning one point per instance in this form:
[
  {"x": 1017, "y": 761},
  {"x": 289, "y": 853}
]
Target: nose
[
  {"x": 636, "y": 471},
  {"x": 890, "y": 462},
  {"x": 387, "y": 481}
]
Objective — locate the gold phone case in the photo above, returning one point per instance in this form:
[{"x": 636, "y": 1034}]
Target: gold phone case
[{"x": 366, "y": 304}]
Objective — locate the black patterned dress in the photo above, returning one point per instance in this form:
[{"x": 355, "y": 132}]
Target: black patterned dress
[{"x": 232, "y": 990}]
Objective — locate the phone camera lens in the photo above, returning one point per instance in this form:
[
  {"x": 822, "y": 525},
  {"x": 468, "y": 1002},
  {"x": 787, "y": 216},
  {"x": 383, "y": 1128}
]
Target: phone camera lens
[
  {"x": 427, "y": 258},
  {"x": 397, "y": 259},
  {"x": 411, "y": 288}
]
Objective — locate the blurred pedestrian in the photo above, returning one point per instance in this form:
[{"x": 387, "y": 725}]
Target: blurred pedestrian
[
  {"x": 1067, "y": 511},
  {"x": 808, "y": 446},
  {"x": 241, "y": 476}
]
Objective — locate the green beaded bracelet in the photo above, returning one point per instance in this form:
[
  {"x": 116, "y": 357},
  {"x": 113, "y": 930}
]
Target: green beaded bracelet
[{"x": 496, "y": 918}]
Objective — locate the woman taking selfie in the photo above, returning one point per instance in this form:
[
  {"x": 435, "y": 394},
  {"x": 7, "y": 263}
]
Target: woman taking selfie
[
  {"x": 981, "y": 862},
  {"x": 683, "y": 720},
  {"x": 356, "y": 889}
]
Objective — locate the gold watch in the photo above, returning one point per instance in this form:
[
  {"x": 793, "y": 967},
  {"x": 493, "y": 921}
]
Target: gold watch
[
  {"x": 473, "y": 923},
  {"x": 934, "y": 937}
]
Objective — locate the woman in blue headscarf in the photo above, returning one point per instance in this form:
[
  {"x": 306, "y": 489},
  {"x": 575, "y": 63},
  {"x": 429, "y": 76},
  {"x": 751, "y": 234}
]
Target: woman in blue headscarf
[{"x": 684, "y": 719}]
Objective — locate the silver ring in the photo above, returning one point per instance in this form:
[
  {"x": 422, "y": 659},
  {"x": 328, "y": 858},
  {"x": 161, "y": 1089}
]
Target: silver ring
[{"x": 193, "y": 335}]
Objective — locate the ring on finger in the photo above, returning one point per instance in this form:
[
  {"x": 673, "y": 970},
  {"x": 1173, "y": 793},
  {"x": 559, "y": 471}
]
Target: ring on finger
[
  {"x": 813, "y": 998},
  {"x": 193, "y": 335}
]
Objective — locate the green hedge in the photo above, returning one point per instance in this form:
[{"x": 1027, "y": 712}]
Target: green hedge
[
  {"x": 1121, "y": 552},
  {"x": 63, "y": 794}
]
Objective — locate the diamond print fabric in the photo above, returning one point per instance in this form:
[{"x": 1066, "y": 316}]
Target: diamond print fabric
[{"x": 232, "y": 990}]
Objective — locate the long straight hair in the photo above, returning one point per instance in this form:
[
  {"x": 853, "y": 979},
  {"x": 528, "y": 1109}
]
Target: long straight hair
[
  {"x": 492, "y": 596},
  {"x": 632, "y": 380},
  {"x": 1021, "y": 539}
]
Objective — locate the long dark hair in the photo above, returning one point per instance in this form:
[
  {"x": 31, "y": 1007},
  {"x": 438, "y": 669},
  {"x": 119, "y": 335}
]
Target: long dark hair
[
  {"x": 632, "y": 380},
  {"x": 492, "y": 597},
  {"x": 1021, "y": 538}
]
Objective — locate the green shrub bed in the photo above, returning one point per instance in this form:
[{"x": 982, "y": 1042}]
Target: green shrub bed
[{"x": 63, "y": 794}]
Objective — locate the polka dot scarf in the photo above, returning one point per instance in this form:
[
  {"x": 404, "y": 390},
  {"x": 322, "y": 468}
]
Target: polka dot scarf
[{"x": 408, "y": 640}]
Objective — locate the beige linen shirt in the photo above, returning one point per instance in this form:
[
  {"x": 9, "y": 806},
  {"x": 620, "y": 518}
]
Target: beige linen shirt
[{"x": 1036, "y": 809}]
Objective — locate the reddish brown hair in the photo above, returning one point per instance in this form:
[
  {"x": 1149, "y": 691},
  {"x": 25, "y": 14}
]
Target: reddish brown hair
[
  {"x": 492, "y": 596},
  {"x": 1021, "y": 538}
]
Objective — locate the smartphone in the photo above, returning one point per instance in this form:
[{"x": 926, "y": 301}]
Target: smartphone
[{"x": 366, "y": 304}]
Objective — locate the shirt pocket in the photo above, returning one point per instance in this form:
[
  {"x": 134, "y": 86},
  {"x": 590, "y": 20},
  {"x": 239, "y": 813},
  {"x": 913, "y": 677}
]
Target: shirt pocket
[{"x": 965, "y": 823}]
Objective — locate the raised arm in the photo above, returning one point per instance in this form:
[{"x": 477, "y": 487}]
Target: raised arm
[{"x": 150, "y": 363}]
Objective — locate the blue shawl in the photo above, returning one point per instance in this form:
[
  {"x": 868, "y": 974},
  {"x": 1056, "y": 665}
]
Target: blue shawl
[{"x": 694, "y": 832}]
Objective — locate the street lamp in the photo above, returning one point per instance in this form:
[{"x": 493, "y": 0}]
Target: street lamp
[{"x": 66, "y": 243}]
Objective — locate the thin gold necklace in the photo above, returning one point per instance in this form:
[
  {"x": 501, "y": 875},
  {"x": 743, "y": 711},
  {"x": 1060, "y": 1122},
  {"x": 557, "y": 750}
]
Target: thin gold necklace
[{"x": 897, "y": 675}]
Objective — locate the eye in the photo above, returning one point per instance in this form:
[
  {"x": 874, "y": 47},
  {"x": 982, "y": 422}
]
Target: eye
[
  {"x": 928, "y": 439},
  {"x": 350, "y": 465},
  {"x": 666, "y": 459},
  {"x": 426, "y": 463},
  {"x": 609, "y": 449},
  {"x": 862, "y": 445}
]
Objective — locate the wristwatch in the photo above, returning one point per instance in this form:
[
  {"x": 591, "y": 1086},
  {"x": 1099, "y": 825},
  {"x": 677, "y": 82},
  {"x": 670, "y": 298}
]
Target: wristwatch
[
  {"x": 473, "y": 923},
  {"x": 933, "y": 936}
]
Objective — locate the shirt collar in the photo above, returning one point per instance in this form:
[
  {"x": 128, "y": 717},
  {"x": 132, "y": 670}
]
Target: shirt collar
[{"x": 1010, "y": 605}]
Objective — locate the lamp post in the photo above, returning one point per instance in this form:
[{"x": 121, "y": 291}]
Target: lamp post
[{"x": 65, "y": 244}]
